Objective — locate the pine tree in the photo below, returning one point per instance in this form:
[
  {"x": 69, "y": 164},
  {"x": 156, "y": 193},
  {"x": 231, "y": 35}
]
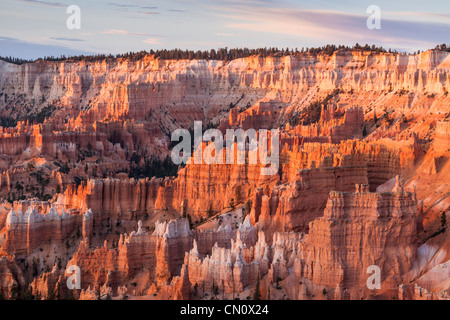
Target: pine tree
[
  {"x": 248, "y": 206},
  {"x": 190, "y": 221},
  {"x": 27, "y": 294},
  {"x": 257, "y": 293},
  {"x": 70, "y": 295},
  {"x": 13, "y": 293},
  {"x": 210, "y": 211},
  {"x": 215, "y": 289},
  {"x": 237, "y": 193},
  {"x": 443, "y": 220},
  {"x": 232, "y": 204},
  {"x": 183, "y": 210}
]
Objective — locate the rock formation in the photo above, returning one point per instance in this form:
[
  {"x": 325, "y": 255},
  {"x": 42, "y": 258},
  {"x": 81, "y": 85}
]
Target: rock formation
[{"x": 86, "y": 178}]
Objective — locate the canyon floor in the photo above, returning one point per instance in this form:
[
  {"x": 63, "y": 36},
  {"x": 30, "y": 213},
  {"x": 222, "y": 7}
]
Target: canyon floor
[{"x": 89, "y": 195}]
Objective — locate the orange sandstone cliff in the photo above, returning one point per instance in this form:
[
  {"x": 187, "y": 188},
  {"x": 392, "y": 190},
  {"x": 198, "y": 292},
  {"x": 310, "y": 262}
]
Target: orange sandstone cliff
[{"x": 86, "y": 178}]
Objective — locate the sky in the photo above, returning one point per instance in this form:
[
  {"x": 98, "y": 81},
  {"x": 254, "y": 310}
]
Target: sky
[{"x": 30, "y": 29}]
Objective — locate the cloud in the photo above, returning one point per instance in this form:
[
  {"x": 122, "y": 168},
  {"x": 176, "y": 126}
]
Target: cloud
[
  {"x": 134, "y": 8},
  {"x": 224, "y": 34},
  {"x": 124, "y": 32},
  {"x": 334, "y": 26},
  {"x": 66, "y": 39},
  {"x": 202, "y": 24},
  {"x": 177, "y": 10},
  {"x": 420, "y": 14},
  {"x": 153, "y": 41},
  {"x": 45, "y": 3},
  {"x": 124, "y": 6}
]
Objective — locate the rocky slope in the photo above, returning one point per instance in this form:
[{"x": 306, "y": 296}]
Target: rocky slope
[{"x": 364, "y": 149}]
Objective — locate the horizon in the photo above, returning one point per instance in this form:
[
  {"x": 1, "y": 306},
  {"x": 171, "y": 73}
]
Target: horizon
[
  {"x": 32, "y": 29},
  {"x": 292, "y": 51}
]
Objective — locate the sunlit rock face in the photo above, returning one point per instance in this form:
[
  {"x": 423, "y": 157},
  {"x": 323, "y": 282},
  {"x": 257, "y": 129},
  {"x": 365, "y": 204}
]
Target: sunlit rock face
[
  {"x": 86, "y": 178},
  {"x": 374, "y": 228}
]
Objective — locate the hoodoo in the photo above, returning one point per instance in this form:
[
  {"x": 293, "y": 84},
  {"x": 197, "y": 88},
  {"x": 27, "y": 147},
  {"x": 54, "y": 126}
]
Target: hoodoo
[{"x": 88, "y": 181}]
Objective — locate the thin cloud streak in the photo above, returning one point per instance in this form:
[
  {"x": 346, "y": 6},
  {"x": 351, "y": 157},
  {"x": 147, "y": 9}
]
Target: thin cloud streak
[
  {"x": 124, "y": 32},
  {"x": 45, "y": 3},
  {"x": 153, "y": 41},
  {"x": 66, "y": 39}
]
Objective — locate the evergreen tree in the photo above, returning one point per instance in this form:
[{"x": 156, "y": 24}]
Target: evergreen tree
[
  {"x": 183, "y": 211},
  {"x": 257, "y": 293},
  {"x": 237, "y": 193},
  {"x": 27, "y": 294},
  {"x": 190, "y": 221},
  {"x": 232, "y": 204},
  {"x": 210, "y": 211},
  {"x": 195, "y": 289},
  {"x": 248, "y": 206},
  {"x": 70, "y": 295},
  {"x": 443, "y": 220},
  {"x": 13, "y": 293}
]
